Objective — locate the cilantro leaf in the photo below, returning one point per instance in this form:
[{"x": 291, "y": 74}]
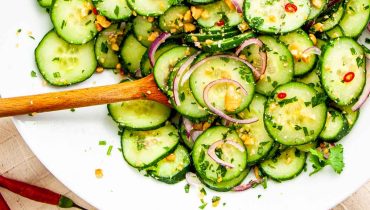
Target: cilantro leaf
[{"x": 335, "y": 159}]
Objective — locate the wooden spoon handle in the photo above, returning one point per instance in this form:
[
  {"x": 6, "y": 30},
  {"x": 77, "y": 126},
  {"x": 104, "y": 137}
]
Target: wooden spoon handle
[{"x": 145, "y": 88}]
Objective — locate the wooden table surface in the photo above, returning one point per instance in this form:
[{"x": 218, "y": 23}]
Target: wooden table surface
[{"x": 17, "y": 161}]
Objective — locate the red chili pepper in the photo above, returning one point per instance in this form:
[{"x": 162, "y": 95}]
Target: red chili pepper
[
  {"x": 291, "y": 8},
  {"x": 37, "y": 193},
  {"x": 95, "y": 11},
  {"x": 220, "y": 23},
  {"x": 349, "y": 77},
  {"x": 3, "y": 204},
  {"x": 281, "y": 95}
]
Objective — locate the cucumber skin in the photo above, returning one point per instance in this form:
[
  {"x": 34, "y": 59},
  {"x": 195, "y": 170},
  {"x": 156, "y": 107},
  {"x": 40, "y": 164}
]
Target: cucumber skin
[{"x": 345, "y": 130}]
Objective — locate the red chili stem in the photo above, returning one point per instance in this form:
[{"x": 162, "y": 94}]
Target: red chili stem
[
  {"x": 3, "y": 204},
  {"x": 36, "y": 193}
]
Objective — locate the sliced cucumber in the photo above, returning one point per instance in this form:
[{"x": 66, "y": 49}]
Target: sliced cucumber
[
  {"x": 131, "y": 53},
  {"x": 297, "y": 42},
  {"x": 329, "y": 21},
  {"x": 74, "y": 20},
  {"x": 217, "y": 68},
  {"x": 225, "y": 186},
  {"x": 307, "y": 147},
  {"x": 149, "y": 7},
  {"x": 280, "y": 64},
  {"x": 139, "y": 114},
  {"x": 45, "y": 3},
  {"x": 312, "y": 79},
  {"x": 146, "y": 67},
  {"x": 206, "y": 167},
  {"x": 335, "y": 32},
  {"x": 317, "y": 7},
  {"x": 189, "y": 106},
  {"x": 287, "y": 165},
  {"x": 142, "y": 149},
  {"x": 342, "y": 59},
  {"x": 184, "y": 137},
  {"x": 61, "y": 63},
  {"x": 350, "y": 115},
  {"x": 165, "y": 63},
  {"x": 255, "y": 137},
  {"x": 113, "y": 9},
  {"x": 196, "y": 2},
  {"x": 214, "y": 12},
  {"x": 143, "y": 29},
  {"x": 356, "y": 17},
  {"x": 105, "y": 55},
  {"x": 172, "y": 169},
  {"x": 226, "y": 44},
  {"x": 173, "y": 19},
  {"x": 295, "y": 114},
  {"x": 272, "y": 17},
  {"x": 336, "y": 126},
  {"x": 201, "y": 37}
]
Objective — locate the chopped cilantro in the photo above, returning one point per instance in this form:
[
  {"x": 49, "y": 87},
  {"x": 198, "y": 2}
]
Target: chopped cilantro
[
  {"x": 335, "y": 159},
  {"x": 33, "y": 74},
  {"x": 186, "y": 188}
]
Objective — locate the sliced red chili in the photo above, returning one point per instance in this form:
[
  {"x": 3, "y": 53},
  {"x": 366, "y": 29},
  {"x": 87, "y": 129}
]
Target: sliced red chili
[
  {"x": 349, "y": 77},
  {"x": 281, "y": 95},
  {"x": 220, "y": 23},
  {"x": 95, "y": 11},
  {"x": 291, "y": 8}
]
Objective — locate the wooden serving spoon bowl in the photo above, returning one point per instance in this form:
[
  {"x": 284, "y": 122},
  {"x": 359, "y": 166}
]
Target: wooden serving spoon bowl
[{"x": 144, "y": 88}]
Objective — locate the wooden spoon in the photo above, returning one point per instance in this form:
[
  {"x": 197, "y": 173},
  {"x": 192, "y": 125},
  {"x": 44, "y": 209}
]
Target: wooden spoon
[{"x": 144, "y": 88}]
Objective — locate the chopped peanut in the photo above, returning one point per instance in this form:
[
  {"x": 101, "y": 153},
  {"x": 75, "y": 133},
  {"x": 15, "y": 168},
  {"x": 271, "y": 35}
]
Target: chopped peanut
[
  {"x": 198, "y": 126},
  {"x": 196, "y": 12},
  {"x": 316, "y": 3},
  {"x": 99, "y": 173},
  {"x": 101, "y": 20},
  {"x": 187, "y": 17},
  {"x": 189, "y": 27},
  {"x": 318, "y": 27},
  {"x": 219, "y": 179},
  {"x": 243, "y": 26},
  {"x": 171, "y": 157},
  {"x": 206, "y": 125},
  {"x": 232, "y": 99},
  {"x": 173, "y": 30},
  {"x": 208, "y": 42},
  {"x": 243, "y": 57},
  {"x": 134, "y": 13},
  {"x": 118, "y": 66},
  {"x": 194, "y": 38},
  {"x": 98, "y": 27},
  {"x": 272, "y": 18},
  {"x": 247, "y": 139},
  {"x": 115, "y": 47},
  {"x": 313, "y": 38},
  {"x": 256, "y": 172},
  {"x": 225, "y": 75},
  {"x": 99, "y": 70},
  {"x": 204, "y": 14},
  {"x": 150, "y": 19},
  {"x": 153, "y": 36}
]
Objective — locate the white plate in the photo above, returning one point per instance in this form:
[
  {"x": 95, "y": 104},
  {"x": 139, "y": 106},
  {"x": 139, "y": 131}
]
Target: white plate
[{"x": 67, "y": 143}]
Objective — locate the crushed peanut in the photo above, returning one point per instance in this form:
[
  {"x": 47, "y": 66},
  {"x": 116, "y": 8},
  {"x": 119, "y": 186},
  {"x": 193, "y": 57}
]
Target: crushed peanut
[
  {"x": 150, "y": 19},
  {"x": 313, "y": 39},
  {"x": 99, "y": 70},
  {"x": 232, "y": 99},
  {"x": 318, "y": 27},
  {"x": 99, "y": 173},
  {"x": 316, "y": 3},
  {"x": 196, "y": 12},
  {"x": 118, "y": 66},
  {"x": 189, "y": 27},
  {"x": 187, "y": 17},
  {"x": 153, "y": 36},
  {"x": 101, "y": 20},
  {"x": 243, "y": 26},
  {"x": 171, "y": 157}
]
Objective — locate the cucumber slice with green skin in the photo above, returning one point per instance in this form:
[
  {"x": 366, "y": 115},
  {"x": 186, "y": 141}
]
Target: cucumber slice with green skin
[
  {"x": 206, "y": 167},
  {"x": 189, "y": 106},
  {"x": 225, "y": 186},
  {"x": 218, "y": 11},
  {"x": 227, "y": 44},
  {"x": 197, "y": 2},
  {"x": 142, "y": 29},
  {"x": 255, "y": 137},
  {"x": 276, "y": 149},
  {"x": 63, "y": 64},
  {"x": 312, "y": 79},
  {"x": 171, "y": 20},
  {"x": 297, "y": 42},
  {"x": 295, "y": 114},
  {"x": 146, "y": 67},
  {"x": 106, "y": 57},
  {"x": 218, "y": 29},
  {"x": 113, "y": 9},
  {"x": 166, "y": 62},
  {"x": 45, "y": 3},
  {"x": 356, "y": 17},
  {"x": 307, "y": 147},
  {"x": 139, "y": 114},
  {"x": 173, "y": 168},
  {"x": 336, "y": 126},
  {"x": 149, "y": 7},
  {"x": 320, "y": 43},
  {"x": 131, "y": 53},
  {"x": 187, "y": 141},
  {"x": 287, "y": 165},
  {"x": 271, "y": 16},
  {"x": 335, "y": 32},
  {"x": 329, "y": 21},
  {"x": 317, "y": 9},
  {"x": 201, "y": 37},
  {"x": 217, "y": 68},
  {"x": 350, "y": 115},
  {"x": 74, "y": 20},
  {"x": 280, "y": 64},
  {"x": 142, "y": 149},
  {"x": 341, "y": 57}
]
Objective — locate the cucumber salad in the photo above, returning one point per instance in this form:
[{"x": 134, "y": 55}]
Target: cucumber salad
[{"x": 267, "y": 85}]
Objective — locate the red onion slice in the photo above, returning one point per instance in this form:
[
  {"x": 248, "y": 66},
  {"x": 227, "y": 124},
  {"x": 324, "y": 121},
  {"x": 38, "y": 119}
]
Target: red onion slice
[
  {"x": 219, "y": 112},
  {"x": 192, "y": 179},
  {"x": 312, "y": 50},
  {"x": 190, "y": 132},
  {"x": 180, "y": 72},
  {"x": 366, "y": 92},
  {"x": 154, "y": 46},
  {"x": 195, "y": 134},
  {"x": 244, "y": 187},
  {"x": 237, "y": 6},
  {"x": 368, "y": 27},
  {"x": 263, "y": 54},
  {"x": 212, "y": 151},
  {"x": 187, "y": 75}
]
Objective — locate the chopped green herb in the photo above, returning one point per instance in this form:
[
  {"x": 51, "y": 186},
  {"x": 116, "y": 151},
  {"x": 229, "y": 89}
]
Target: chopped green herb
[
  {"x": 109, "y": 151},
  {"x": 102, "y": 143},
  {"x": 186, "y": 188},
  {"x": 33, "y": 74}
]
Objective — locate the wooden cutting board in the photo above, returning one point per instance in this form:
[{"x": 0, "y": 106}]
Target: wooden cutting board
[{"x": 17, "y": 161}]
